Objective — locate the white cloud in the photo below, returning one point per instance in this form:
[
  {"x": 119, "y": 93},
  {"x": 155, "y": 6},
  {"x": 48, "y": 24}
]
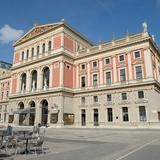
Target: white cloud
[{"x": 8, "y": 34}]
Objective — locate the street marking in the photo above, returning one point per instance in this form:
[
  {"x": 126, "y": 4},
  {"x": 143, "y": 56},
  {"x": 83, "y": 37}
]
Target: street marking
[{"x": 137, "y": 149}]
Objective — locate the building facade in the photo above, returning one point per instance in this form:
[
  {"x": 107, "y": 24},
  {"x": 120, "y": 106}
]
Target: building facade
[{"x": 61, "y": 78}]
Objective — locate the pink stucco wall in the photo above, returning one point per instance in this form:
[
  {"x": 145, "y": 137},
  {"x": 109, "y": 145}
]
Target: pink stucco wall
[
  {"x": 16, "y": 57},
  {"x": 55, "y": 75},
  {"x": 57, "y": 42},
  {"x": 68, "y": 44},
  {"x": 14, "y": 85},
  {"x": 68, "y": 75}
]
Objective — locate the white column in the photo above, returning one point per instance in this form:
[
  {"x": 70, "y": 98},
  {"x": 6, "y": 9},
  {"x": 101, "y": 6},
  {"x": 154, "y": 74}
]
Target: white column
[
  {"x": 100, "y": 72},
  {"x": 50, "y": 76},
  {"x": 77, "y": 76},
  {"x": 129, "y": 67},
  {"x": 61, "y": 73},
  {"x": 114, "y": 69},
  {"x": 39, "y": 79},
  {"x": 88, "y": 73},
  {"x": 28, "y": 82}
]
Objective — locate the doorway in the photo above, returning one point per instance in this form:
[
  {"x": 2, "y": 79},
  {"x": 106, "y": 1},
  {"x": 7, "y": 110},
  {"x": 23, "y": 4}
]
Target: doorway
[{"x": 83, "y": 117}]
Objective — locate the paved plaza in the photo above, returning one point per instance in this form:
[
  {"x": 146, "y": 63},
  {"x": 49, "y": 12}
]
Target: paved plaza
[{"x": 96, "y": 144}]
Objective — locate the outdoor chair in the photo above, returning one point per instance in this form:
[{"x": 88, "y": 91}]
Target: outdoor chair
[
  {"x": 4, "y": 145},
  {"x": 38, "y": 145},
  {"x": 17, "y": 145}
]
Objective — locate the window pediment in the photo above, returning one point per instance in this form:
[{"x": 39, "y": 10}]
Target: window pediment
[
  {"x": 137, "y": 62},
  {"x": 107, "y": 68},
  {"x": 141, "y": 101},
  {"x": 121, "y": 65},
  {"x": 124, "y": 102}
]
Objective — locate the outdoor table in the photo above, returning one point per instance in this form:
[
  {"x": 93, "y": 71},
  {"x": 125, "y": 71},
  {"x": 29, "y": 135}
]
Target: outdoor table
[
  {"x": 2, "y": 135},
  {"x": 26, "y": 139},
  {"x": 23, "y": 131}
]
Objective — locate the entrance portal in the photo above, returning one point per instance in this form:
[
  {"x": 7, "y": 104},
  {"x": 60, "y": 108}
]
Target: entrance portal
[
  {"x": 44, "y": 113},
  {"x": 96, "y": 117},
  {"x": 83, "y": 117}
]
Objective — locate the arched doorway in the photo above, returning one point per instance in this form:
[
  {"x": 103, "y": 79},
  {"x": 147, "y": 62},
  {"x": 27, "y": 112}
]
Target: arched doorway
[
  {"x": 44, "y": 118},
  {"x": 32, "y": 115},
  {"x": 21, "y": 116}
]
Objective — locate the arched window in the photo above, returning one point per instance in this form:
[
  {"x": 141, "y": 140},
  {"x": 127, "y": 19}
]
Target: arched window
[
  {"x": 37, "y": 50},
  {"x": 46, "y": 74},
  {"x": 32, "y": 52},
  {"x": 23, "y": 84},
  {"x": 27, "y": 56},
  {"x": 43, "y": 48},
  {"x": 34, "y": 80},
  {"x": 49, "y": 46}
]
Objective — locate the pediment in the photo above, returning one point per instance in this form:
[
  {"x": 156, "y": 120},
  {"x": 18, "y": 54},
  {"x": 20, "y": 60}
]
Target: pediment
[
  {"x": 107, "y": 68},
  {"x": 137, "y": 62},
  {"x": 124, "y": 102},
  {"x": 141, "y": 101},
  {"x": 35, "y": 31},
  {"x": 109, "y": 104},
  {"x": 121, "y": 65}
]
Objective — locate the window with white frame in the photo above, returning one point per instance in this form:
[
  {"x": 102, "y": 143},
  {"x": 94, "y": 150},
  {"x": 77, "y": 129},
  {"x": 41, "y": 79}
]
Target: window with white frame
[
  {"x": 109, "y": 97},
  {"x": 83, "y": 81},
  {"x": 137, "y": 54},
  {"x": 49, "y": 46},
  {"x": 83, "y": 100},
  {"x": 108, "y": 77},
  {"x": 109, "y": 114},
  {"x": 27, "y": 56},
  {"x": 95, "y": 98},
  {"x": 142, "y": 113},
  {"x": 122, "y": 75},
  {"x": 140, "y": 94},
  {"x": 95, "y": 64},
  {"x": 37, "y": 50},
  {"x": 107, "y": 60},
  {"x": 32, "y": 52},
  {"x": 22, "y": 56},
  {"x": 124, "y": 96},
  {"x": 95, "y": 81},
  {"x": 43, "y": 48},
  {"x": 121, "y": 58},
  {"x": 83, "y": 66},
  {"x": 138, "y": 72},
  {"x": 125, "y": 114}
]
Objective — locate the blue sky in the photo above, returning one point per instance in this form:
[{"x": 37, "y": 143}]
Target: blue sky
[{"x": 95, "y": 19}]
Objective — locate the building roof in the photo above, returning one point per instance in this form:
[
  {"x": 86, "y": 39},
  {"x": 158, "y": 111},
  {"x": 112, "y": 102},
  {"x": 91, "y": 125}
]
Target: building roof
[{"x": 40, "y": 29}]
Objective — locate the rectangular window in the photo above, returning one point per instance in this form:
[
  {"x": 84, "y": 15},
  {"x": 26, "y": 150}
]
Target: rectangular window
[
  {"x": 43, "y": 48},
  {"x": 32, "y": 52},
  {"x": 124, "y": 96},
  {"x": 108, "y": 77},
  {"x": 140, "y": 94},
  {"x": 27, "y": 56},
  {"x": 4, "y": 117},
  {"x": 83, "y": 66},
  {"x": 138, "y": 72},
  {"x": 109, "y": 97},
  {"x": 122, "y": 75},
  {"x": 95, "y": 80},
  {"x": 121, "y": 58},
  {"x": 137, "y": 54},
  {"x": 94, "y": 64},
  {"x": 37, "y": 50},
  {"x": 108, "y": 61},
  {"x": 83, "y": 100},
  {"x": 95, "y": 98},
  {"x": 142, "y": 113},
  {"x": 7, "y": 94},
  {"x": 125, "y": 114},
  {"x": 2, "y": 95},
  {"x": 83, "y": 81},
  {"x": 22, "y": 55},
  {"x": 109, "y": 114}
]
